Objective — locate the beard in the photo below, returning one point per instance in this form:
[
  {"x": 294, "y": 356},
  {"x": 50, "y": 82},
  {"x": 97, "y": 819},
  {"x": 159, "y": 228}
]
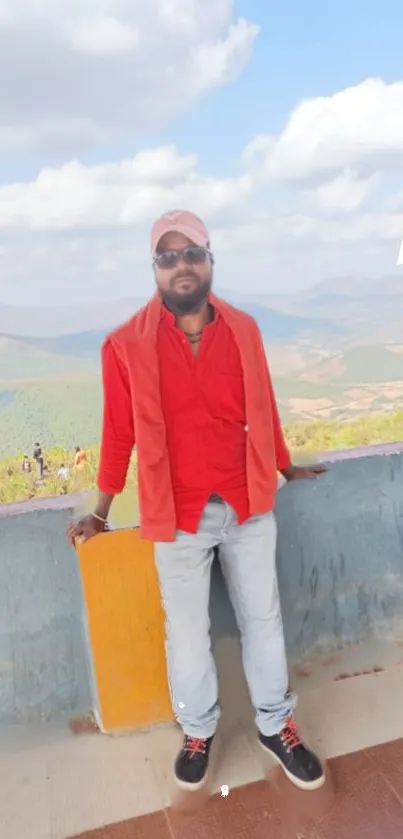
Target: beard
[{"x": 186, "y": 302}]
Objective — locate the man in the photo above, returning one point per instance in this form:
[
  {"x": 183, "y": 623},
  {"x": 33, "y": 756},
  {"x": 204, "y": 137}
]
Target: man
[
  {"x": 186, "y": 380},
  {"x": 63, "y": 474},
  {"x": 80, "y": 458},
  {"x": 38, "y": 458}
]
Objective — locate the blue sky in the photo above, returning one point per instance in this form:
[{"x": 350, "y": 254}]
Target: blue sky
[{"x": 304, "y": 51}]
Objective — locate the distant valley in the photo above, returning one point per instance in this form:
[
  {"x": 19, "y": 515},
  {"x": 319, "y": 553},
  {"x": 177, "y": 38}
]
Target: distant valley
[{"x": 335, "y": 350}]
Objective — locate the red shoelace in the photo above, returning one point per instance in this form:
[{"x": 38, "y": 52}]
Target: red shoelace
[
  {"x": 194, "y": 746},
  {"x": 289, "y": 734}
]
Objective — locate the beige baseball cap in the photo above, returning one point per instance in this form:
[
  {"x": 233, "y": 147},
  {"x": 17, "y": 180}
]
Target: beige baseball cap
[{"x": 179, "y": 221}]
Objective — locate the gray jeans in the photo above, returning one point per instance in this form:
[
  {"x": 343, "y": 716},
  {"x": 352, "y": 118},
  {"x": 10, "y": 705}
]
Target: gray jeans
[{"x": 248, "y": 561}]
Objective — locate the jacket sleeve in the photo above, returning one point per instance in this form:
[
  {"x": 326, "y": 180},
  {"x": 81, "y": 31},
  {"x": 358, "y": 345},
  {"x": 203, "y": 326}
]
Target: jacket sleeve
[
  {"x": 283, "y": 457},
  {"x": 118, "y": 436}
]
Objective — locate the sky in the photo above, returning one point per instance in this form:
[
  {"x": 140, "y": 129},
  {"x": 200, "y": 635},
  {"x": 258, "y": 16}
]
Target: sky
[{"x": 280, "y": 124}]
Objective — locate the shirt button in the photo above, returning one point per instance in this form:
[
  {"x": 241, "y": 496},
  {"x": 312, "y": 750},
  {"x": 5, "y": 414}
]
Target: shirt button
[{"x": 246, "y": 427}]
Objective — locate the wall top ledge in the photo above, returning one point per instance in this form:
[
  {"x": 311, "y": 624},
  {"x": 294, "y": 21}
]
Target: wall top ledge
[
  {"x": 384, "y": 449},
  {"x": 53, "y": 502}
]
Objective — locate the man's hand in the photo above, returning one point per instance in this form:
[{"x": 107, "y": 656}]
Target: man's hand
[
  {"x": 295, "y": 473},
  {"x": 84, "y": 529}
]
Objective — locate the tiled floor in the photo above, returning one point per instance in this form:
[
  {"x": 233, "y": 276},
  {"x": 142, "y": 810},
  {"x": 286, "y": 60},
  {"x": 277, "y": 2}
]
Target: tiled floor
[
  {"x": 54, "y": 785},
  {"x": 363, "y": 798}
]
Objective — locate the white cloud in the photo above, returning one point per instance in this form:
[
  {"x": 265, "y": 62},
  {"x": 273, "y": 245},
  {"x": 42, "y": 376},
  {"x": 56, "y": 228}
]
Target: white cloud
[
  {"x": 314, "y": 201},
  {"x": 117, "y": 194},
  {"x": 104, "y": 36},
  {"x": 346, "y": 192},
  {"x": 290, "y": 230},
  {"x": 253, "y": 253},
  {"x": 360, "y": 127},
  {"x": 336, "y": 147},
  {"x": 84, "y": 73},
  {"x": 394, "y": 201},
  {"x": 221, "y": 61},
  {"x": 333, "y": 150}
]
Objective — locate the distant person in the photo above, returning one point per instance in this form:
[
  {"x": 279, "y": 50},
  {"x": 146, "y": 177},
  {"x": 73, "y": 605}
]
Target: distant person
[
  {"x": 26, "y": 465},
  {"x": 187, "y": 380},
  {"x": 80, "y": 458},
  {"x": 38, "y": 458},
  {"x": 63, "y": 475}
]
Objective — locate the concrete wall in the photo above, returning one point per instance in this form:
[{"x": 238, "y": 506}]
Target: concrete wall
[
  {"x": 44, "y": 666},
  {"x": 340, "y": 554},
  {"x": 340, "y": 564}
]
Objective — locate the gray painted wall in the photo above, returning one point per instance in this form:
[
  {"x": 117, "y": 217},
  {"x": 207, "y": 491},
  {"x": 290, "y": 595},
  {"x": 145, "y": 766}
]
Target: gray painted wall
[
  {"x": 43, "y": 649},
  {"x": 340, "y": 563},
  {"x": 339, "y": 557}
]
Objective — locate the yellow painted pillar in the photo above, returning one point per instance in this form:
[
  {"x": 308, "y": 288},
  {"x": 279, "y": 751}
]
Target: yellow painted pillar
[{"x": 126, "y": 628}]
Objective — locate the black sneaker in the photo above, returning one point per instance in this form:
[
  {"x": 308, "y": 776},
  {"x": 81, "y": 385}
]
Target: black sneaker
[
  {"x": 191, "y": 765},
  {"x": 300, "y": 765}
]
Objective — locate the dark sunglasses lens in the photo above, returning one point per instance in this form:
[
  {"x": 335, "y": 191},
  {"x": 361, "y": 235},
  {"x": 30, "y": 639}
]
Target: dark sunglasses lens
[
  {"x": 194, "y": 254},
  {"x": 167, "y": 259}
]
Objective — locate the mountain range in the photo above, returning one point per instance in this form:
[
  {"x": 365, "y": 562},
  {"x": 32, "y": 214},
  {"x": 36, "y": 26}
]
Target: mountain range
[
  {"x": 30, "y": 346},
  {"x": 335, "y": 350}
]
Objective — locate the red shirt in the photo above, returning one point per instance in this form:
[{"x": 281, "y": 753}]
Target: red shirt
[
  {"x": 203, "y": 403},
  {"x": 134, "y": 416}
]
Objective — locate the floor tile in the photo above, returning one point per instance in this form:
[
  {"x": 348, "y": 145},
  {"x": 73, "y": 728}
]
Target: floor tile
[
  {"x": 364, "y": 804},
  {"x": 237, "y": 763},
  {"x": 357, "y": 801},
  {"x": 23, "y": 795},
  {"x": 162, "y": 746},
  {"x": 247, "y": 813},
  {"x": 354, "y": 713},
  {"x": 388, "y": 759},
  {"x": 151, "y": 826},
  {"x": 299, "y": 810},
  {"x": 91, "y": 790}
]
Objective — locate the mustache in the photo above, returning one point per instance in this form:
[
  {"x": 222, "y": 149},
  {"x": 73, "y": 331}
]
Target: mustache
[{"x": 184, "y": 275}]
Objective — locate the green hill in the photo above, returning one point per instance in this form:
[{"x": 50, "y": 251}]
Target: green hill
[
  {"x": 66, "y": 410},
  {"x": 304, "y": 440},
  {"x": 35, "y": 358},
  {"x": 372, "y": 364},
  {"x": 63, "y": 411},
  {"x": 359, "y": 365},
  {"x": 330, "y": 349}
]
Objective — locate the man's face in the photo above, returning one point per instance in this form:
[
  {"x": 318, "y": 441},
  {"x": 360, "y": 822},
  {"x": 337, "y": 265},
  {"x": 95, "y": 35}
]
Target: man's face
[{"x": 185, "y": 286}]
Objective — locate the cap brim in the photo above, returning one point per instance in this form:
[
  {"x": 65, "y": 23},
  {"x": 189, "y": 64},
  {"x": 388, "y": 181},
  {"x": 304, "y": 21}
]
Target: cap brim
[{"x": 189, "y": 232}]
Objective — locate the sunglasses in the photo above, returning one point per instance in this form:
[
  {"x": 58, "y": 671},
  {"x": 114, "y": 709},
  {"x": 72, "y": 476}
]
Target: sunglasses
[{"x": 192, "y": 255}]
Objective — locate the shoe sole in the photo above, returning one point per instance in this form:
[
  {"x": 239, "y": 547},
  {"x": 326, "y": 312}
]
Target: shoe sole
[
  {"x": 304, "y": 785},
  {"x": 186, "y": 787}
]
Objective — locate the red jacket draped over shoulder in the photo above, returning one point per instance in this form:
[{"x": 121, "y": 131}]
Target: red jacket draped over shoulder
[{"x": 138, "y": 419}]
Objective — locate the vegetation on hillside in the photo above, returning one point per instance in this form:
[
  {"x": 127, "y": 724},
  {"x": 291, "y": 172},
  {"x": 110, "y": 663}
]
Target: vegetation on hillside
[
  {"x": 53, "y": 411},
  {"x": 67, "y": 410},
  {"x": 367, "y": 430},
  {"x": 304, "y": 439}
]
